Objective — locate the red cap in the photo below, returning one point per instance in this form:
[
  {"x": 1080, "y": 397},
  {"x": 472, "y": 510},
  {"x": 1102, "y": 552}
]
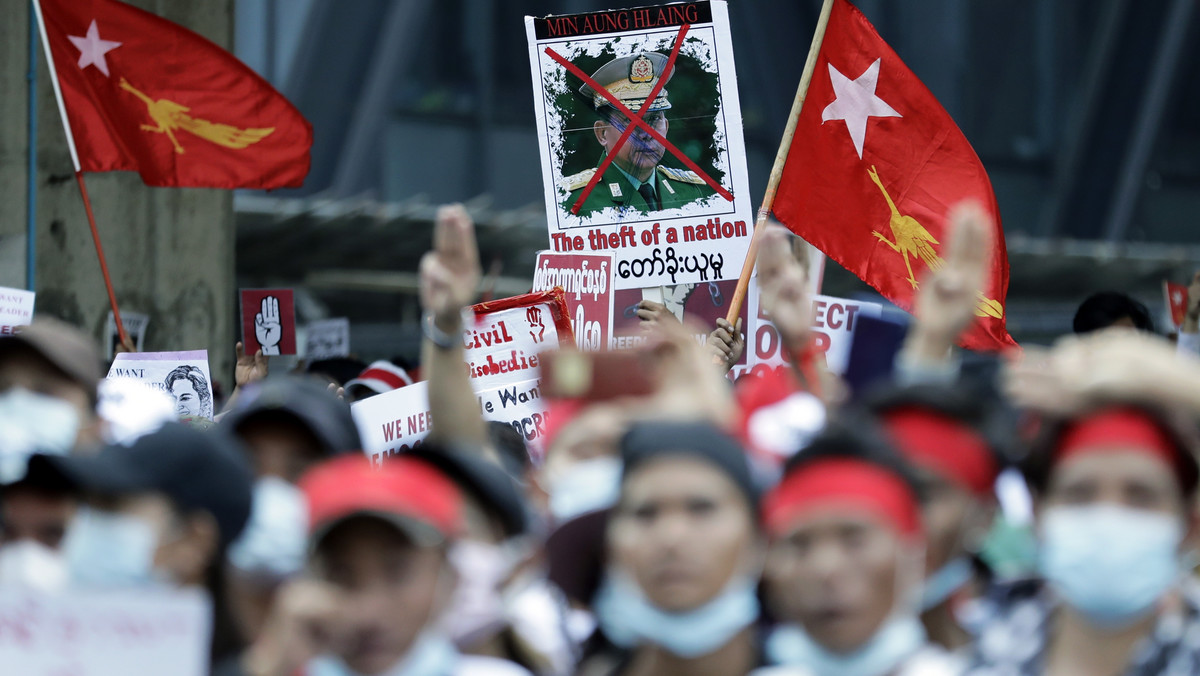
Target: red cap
[
  {"x": 944, "y": 446},
  {"x": 409, "y": 493}
]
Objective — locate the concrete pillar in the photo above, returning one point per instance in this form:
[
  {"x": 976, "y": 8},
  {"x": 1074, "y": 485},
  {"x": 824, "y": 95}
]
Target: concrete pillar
[{"x": 170, "y": 251}]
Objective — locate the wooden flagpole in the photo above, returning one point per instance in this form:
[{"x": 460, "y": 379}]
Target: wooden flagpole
[
  {"x": 764, "y": 211},
  {"x": 87, "y": 205}
]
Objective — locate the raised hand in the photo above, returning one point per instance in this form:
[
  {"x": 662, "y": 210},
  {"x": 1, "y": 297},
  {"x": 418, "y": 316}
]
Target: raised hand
[
  {"x": 450, "y": 273},
  {"x": 726, "y": 343},
  {"x": 249, "y": 368},
  {"x": 268, "y": 328},
  {"x": 945, "y": 304},
  {"x": 782, "y": 281}
]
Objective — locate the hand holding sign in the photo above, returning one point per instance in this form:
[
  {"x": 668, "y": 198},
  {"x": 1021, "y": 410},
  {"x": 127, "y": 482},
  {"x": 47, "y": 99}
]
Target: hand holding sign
[
  {"x": 268, "y": 329},
  {"x": 450, "y": 273},
  {"x": 249, "y": 368}
]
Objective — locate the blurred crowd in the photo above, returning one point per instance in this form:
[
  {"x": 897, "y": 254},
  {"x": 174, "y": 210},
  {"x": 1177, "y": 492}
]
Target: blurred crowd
[{"x": 1025, "y": 513}]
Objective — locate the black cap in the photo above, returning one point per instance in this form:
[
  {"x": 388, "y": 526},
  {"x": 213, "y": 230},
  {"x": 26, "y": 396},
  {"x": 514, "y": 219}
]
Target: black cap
[
  {"x": 204, "y": 471},
  {"x": 652, "y": 440},
  {"x": 482, "y": 479},
  {"x": 306, "y": 401}
]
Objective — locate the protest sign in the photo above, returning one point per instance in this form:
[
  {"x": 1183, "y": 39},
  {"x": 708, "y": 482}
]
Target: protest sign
[
  {"x": 16, "y": 309},
  {"x": 182, "y": 375},
  {"x": 502, "y": 347},
  {"x": 327, "y": 339},
  {"x": 586, "y": 280},
  {"x": 393, "y": 422},
  {"x": 702, "y": 304},
  {"x": 834, "y": 321},
  {"x": 1177, "y": 300},
  {"x": 268, "y": 321},
  {"x": 105, "y": 633},
  {"x": 501, "y": 350},
  {"x": 135, "y": 328},
  {"x": 653, "y": 91}
]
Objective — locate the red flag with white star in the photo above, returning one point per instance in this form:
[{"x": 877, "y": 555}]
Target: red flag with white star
[
  {"x": 875, "y": 165},
  {"x": 147, "y": 95}
]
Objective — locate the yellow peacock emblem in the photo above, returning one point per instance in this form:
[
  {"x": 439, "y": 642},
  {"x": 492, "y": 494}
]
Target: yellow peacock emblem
[
  {"x": 912, "y": 239},
  {"x": 169, "y": 116}
]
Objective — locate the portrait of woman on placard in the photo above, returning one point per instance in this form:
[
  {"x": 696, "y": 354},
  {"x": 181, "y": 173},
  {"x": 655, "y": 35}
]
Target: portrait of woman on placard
[{"x": 187, "y": 385}]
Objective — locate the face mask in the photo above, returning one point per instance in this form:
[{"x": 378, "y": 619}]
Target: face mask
[
  {"x": 32, "y": 565},
  {"x": 628, "y": 618},
  {"x": 944, "y": 582},
  {"x": 33, "y": 423},
  {"x": 587, "y": 486},
  {"x": 476, "y": 611},
  {"x": 1110, "y": 563},
  {"x": 274, "y": 541},
  {"x": 431, "y": 655},
  {"x": 897, "y": 640},
  {"x": 103, "y": 549}
]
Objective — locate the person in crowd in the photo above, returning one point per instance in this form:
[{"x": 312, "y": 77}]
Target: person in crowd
[
  {"x": 684, "y": 555},
  {"x": 162, "y": 510},
  {"x": 336, "y": 370},
  {"x": 49, "y": 372},
  {"x": 287, "y": 424},
  {"x": 955, "y": 439},
  {"x": 846, "y": 562},
  {"x": 1188, "y": 340},
  {"x": 1111, "y": 308},
  {"x": 379, "y": 377},
  {"x": 379, "y": 578},
  {"x": 1115, "y": 487}
]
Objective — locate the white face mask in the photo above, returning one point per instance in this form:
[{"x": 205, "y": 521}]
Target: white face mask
[
  {"x": 32, "y": 565},
  {"x": 273, "y": 544},
  {"x": 33, "y": 423},
  {"x": 431, "y": 655},
  {"x": 104, "y": 549},
  {"x": 586, "y": 486},
  {"x": 628, "y": 618},
  {"x": 477, "y": 610}
]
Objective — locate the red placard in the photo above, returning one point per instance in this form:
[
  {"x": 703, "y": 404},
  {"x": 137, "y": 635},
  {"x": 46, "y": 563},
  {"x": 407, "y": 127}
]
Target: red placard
[
  {"x": 1177, "y": 300},
  {"x": 588, "y": 283},
  {"x": 268, "y": 321}
]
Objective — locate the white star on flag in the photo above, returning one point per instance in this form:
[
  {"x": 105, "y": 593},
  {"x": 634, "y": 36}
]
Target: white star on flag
[
  {"x": 855, "y": 101},
  {"x": 92, "y": 49}
]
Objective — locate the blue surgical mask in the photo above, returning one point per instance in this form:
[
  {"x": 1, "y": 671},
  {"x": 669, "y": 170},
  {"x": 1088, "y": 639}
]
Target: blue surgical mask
[
  {"x": 105, "y": 549},
  {"x": 33, "y": 423},
  {"x": 897, "y": 640},
  {"x": 628, "y": 618},
  {"x": 1110, "y": 563},
  {"x": 431, "y": 655},
  {"x": 273, "y": 544},
  {"x": 944, "y": 582}
]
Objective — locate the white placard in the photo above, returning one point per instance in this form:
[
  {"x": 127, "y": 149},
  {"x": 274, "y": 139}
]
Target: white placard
[
  {"x": 105, "y": 633},
  {"x": 16, "y": 309},
  {"x": 327, "y": 339},
  {"x": 183, "y": 375},
  {"x": 696, "y": 226}
]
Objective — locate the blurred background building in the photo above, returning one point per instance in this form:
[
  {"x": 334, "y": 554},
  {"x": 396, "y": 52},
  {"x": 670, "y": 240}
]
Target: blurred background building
[{"x": 1085, "y": 113}]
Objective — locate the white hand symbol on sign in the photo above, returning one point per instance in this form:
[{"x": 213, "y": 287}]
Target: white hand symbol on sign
[{"x": 267, "y": 326}]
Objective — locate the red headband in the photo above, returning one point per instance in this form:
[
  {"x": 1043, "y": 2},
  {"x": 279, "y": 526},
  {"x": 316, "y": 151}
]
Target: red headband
[
  {"x": 1119, "y": 427},
  {"x": 944, "y": 446},
  {"x": 846, "y": 482}
]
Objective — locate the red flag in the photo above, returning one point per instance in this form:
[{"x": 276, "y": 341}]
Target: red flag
[
  {"x": 875, "y": 165},
  {"x": 147, "y": 95}
]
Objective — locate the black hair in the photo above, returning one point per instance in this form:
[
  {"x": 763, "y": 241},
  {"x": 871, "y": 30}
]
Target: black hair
[
  {"x": 856, "y": 437},
  {"x": 1039, "y": 463},
  {"x": 510, "y": 444},
  {"x": 1102, "y": 310},
  {"x": 978, "y": 408},
  {"x": 339, "y": 369}
]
